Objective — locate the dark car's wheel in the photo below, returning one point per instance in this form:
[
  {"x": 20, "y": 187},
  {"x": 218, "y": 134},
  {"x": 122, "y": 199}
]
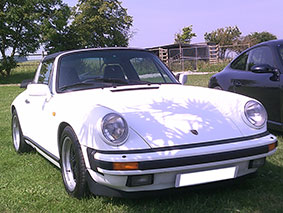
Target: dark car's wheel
[
  {"x": 73, "y": 167},
  {"x": 17, "y": 136}
]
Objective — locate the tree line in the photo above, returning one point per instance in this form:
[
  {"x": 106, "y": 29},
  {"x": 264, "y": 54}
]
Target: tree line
[
  {"x": 228, "y": 38},
  {"x": 25, "y": 26}
]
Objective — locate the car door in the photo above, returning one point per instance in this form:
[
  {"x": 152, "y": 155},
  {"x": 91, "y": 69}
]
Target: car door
[
  {"x": 261, "y": 86},
  {"x": 39, "y": 101}
]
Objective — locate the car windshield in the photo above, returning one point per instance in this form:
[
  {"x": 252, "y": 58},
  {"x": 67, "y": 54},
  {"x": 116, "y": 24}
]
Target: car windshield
[{"x": 108, "y": 68}]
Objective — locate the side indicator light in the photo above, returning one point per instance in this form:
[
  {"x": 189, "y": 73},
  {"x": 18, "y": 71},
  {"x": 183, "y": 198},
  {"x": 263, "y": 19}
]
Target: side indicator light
[
  {"x": 272, "y": 146},
  {"x": 54, "y": 114},
  {"x": 126, "y": 166}
]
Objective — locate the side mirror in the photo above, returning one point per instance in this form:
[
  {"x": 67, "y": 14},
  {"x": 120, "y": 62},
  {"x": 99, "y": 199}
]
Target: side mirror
[
  {"x": 182, "y": 78},
  {"x": 25, "y": 83},
  {"x": 262, "y": 68},
  {"x": 266, "y": 68},
  {"x": 38, "y": 90}
]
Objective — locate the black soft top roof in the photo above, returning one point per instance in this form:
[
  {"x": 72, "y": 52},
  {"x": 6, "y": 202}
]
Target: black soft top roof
[{"x": 54, "y": 55}]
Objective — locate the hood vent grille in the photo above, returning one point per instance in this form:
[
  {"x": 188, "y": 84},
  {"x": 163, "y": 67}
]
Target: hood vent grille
[{"x": 131, "y": 89}]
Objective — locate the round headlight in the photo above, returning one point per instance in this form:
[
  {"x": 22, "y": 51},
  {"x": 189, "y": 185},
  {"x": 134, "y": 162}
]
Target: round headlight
[
  {"x": 255, "y": 114},
  {"x": 114, "y": 129}
]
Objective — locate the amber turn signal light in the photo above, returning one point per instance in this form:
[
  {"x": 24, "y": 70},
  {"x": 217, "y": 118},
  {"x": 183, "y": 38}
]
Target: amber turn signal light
[
  {"x": 272, "y": 146},
  {"x": 125, "y": 165}
]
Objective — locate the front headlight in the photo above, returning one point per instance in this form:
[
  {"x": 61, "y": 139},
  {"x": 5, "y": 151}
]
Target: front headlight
[
  {"x": 114, "y": 129},
  {"x": 255, "y": 114}
]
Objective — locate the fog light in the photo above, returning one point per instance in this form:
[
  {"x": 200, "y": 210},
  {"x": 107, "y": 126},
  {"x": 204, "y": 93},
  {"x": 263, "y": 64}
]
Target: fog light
[
  {"x": 256, "y": 163},
  {"x": 139, "y": 180}
]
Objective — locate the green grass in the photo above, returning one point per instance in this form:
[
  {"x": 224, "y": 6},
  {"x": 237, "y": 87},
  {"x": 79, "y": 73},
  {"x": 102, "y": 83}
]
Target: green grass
[
  {"x": 199, "y": 66},
  {"x": 198, "y": 80},
  {"x": 29, "y": 183},
  {"x": 23, "y": 71}
]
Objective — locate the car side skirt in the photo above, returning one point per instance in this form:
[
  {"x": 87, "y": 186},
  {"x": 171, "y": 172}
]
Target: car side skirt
[{"x": 55, "y": 160}]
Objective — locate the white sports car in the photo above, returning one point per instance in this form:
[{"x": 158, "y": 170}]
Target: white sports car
[{"x": 118, "y": 123}]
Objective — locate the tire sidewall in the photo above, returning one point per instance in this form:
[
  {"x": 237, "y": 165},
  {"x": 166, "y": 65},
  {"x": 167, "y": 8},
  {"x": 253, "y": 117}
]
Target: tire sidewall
[
  {"x": 23, "y": 146},
  {"x": 80, "y": 189}
]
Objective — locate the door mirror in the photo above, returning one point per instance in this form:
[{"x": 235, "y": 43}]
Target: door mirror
[
  {"x": 25, "y": 83},
  {"x": 38, "y": 90},
  {"x": 262, "y": 68},
  {"x": 182, "y": 78},
  {"x": 265, "y": 68}
]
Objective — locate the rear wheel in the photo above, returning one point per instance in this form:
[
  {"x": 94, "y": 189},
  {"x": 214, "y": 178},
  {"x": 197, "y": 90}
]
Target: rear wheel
[
  {"x": 73, "y": 167},
  {"x": 17, "y": 136}
]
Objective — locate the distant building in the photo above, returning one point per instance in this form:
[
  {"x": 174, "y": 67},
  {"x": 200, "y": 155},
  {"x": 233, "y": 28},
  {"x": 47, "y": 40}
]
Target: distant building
[{"x": 189, "y": 52}]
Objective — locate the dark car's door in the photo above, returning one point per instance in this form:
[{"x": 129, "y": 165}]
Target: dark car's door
[{"x": 261, "y": 86}]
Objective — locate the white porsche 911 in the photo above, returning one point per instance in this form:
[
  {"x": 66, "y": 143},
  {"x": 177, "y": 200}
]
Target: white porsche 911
[{"x": 118, "y": 123}]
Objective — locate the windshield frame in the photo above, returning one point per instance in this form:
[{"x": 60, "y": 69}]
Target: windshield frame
[{"x": 157, "y": 62}]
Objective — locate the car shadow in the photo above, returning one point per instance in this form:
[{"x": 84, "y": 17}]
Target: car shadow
[{"x": 225, "y": 196}]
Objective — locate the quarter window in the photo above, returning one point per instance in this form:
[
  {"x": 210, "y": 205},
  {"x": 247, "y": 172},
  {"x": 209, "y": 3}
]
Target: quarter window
[{"x": 45, "y": 71}]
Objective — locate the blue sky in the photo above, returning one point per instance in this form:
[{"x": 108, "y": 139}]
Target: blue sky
[{"x": 157, "y": 21}]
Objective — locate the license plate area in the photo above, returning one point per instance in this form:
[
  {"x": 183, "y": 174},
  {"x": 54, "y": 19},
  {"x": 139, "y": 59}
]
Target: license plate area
[{"x": 194, "y": 178}]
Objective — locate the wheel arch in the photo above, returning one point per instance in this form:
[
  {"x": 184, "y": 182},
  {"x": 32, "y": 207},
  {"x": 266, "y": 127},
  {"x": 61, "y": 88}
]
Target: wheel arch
[
  {"x": 61, "y": 128},
  {"x": 13, "y": 108}
]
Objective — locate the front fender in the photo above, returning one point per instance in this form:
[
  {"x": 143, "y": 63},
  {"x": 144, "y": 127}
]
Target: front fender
[{"x": 87, "y": 128}]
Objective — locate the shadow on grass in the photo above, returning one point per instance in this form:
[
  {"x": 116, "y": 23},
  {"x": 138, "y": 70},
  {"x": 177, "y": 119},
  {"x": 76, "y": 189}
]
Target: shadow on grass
[
  {"x": 260, "y": 192},
  {"x": 16, "y": 78}
]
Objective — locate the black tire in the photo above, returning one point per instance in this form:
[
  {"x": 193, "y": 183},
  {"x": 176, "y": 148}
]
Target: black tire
[
  {"x": 73, "y": 167},
  {"x": 19, "y": 143}
]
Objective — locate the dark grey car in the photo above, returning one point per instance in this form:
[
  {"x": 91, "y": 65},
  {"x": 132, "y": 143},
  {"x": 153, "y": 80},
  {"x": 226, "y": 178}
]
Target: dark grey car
[{"x": 257, "y": 72}]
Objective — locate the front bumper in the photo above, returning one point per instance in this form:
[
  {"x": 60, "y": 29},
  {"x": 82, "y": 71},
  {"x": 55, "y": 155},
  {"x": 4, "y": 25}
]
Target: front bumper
[{"x": 167, "y": 164}]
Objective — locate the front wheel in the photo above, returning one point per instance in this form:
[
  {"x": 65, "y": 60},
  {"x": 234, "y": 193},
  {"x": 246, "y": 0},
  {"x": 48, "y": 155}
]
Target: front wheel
[
  {"x": 73, "y": 167},
  {"x": 17, "y": 136}
]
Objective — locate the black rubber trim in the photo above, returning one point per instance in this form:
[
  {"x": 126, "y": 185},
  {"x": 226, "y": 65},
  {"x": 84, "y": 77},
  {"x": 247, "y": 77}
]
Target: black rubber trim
[
  {"x": 186, "y": 146},
  {"x": 131, "y": 89},
  {"x": 42, "y": 149},
  {"x": 185, "y": 161}
]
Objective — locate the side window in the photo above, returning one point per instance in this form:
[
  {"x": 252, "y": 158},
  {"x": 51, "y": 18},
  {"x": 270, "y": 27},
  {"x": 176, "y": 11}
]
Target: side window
[
  {"x": 260, "y": 55},
  {"x": 45, "y": 72},
  {"x": 241, "y": 62}
]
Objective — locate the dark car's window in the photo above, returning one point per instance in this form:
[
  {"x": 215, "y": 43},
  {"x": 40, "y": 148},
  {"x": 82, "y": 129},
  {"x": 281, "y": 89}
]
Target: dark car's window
[
  {"x": 260, "y": 55},
  {"x": 241, "y": 62},
  {"x": 103, "y": 68},
  {"x": 280, "y": 49},
  {"x": 45, "y": 71}
]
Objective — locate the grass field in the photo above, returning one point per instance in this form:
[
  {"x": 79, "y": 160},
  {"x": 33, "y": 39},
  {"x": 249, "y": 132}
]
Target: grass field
[
  {"x": 29, "y": 183},
  {"x": 23, "y": 71}
]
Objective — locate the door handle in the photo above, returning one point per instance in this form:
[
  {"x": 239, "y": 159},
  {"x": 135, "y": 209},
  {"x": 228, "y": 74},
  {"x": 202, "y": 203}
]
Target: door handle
[
  {"x": 237, "y": 83},
  {"x": 27, "y": 101}
]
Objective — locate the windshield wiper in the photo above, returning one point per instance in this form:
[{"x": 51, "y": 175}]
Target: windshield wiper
[
  {"x": 107, "y": 80},
  {"x": 75, "y": 85}
]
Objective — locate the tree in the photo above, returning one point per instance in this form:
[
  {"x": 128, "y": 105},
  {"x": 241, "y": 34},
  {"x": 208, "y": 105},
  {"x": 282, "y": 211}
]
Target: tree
[
  {"x": 20, "y": 28},
  {"x": 57, "y": 34},
  {"x": 185, "y": 36},
  {"x": 223, "y": 37},
  {"x": 101, "y": 23},
  {"x": 252, "y": 39},
  {"x": 257, "y": 37}
]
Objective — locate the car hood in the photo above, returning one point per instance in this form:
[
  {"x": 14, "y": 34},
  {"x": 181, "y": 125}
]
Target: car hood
[{"x": 169, "y": 115}]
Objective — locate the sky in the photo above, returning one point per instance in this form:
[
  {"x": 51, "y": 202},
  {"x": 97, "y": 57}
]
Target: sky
[{"x": 157, "y": 21}]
